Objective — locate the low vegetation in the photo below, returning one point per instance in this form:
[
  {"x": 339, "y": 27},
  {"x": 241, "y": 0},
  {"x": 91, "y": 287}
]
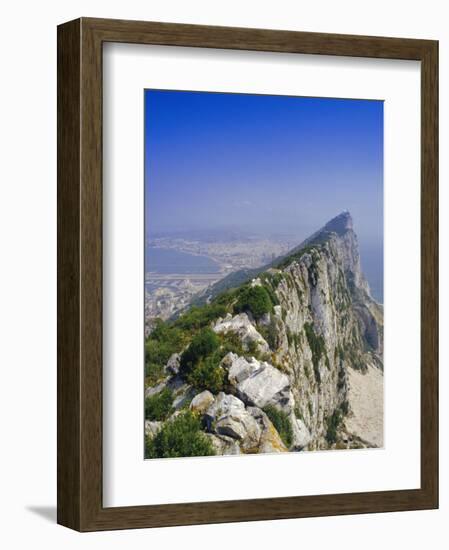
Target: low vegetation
[
  {"x": 281, "y": 422},
  {"x": 231, "y": 342},
  {"x": 334, "y": 422},
  {"x": 203, "y": 344},
  {"x": 207, "y": 374},
  {"x": 317, "y": 347},
  {"x": 159, "y": 346},
  {"x": 255, "y": 300},
  {"x": 159, "y": 406},
  {"x": 270, "y": 282},
  {"x": 179, "y": 437},
  {"x": 311, "y": 249},
  {"x": 198, "y": 317},
  {"x": 275, "y": 278},
  {"x": 200, "y": 362},
  {"x": 270, "y": 334}
]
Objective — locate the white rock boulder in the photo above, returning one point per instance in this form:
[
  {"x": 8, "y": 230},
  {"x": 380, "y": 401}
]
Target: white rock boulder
[
  {"x": 201, "y": 402},
  {"x": 257, "y": 382},
  {"x": 224, "y": 445},
  {"x": 153, "y": 390},
  {"x": 152, "y": 428},
  {"x": 242, "y": 326},
  {"x": 173, "y": 363},
  {"x": 301, "y": 435},
  {"x": 228, "y": 416},
  {"x": 239, "y": 368}
]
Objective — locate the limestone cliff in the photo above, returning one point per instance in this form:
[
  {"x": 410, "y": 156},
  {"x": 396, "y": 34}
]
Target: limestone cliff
[{"x": 285, "y": 349}]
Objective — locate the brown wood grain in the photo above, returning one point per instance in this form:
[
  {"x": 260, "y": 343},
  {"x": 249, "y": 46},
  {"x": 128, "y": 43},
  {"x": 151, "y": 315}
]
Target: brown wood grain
[
  {"x": 69, "y": 408},
  {"x": 80, "y": 274}
]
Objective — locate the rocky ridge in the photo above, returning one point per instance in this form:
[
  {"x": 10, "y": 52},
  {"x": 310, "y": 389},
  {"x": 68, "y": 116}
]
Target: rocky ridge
[{"x": 282, "y": 350}]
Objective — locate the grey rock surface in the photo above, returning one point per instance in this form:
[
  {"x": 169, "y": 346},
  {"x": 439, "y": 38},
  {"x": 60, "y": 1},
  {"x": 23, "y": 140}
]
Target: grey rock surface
[{"x": 242, "y": 325}]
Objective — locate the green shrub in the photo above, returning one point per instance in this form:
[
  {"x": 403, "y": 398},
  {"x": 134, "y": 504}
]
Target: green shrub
[
  {"x": 200, "y": 363},
  {"x": 159, "y": 406},
  {"x": 276, "y": 279},
  {"x": 255, "y": 300},
  {"x": 339, "y": 353},
  {"x": 203, "y": 344},
  {"x": 311, "y": 249},
  {"x": 341, "y": 379},
  {"x": 198, "y": 317},
  {"x": 159, "y": 346},
  {"x": 317, "y": 347},
  {"x": 344, "y": 407},
  {"x": 310, "y": 407},
  {"x": 281, "y": 422},
  {"x": 167, "y": 333},
  {"x": 226, "y": 298},
  {"x": 270, "y": 334},
  {"x": 307, "y": 371},
  {"x": 180, "y": 437},
  {"x": 296, "y": 339},
  {"x": 231, "y": 342},
  {"x": 207, "y": 374},
  {"x": 355, "y": 358},
  {"x": 273, "y": 298},
  {"x": 333, "y": 424},
  {"x": 253, "y": 348},
  {"x": 153, "y": 371}
]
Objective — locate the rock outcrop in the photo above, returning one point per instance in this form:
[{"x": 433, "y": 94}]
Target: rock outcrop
[
  {"x": 257, "y": 382},
  {"x": 201, "y": 402},
  {"x": 245, "y": 329},
  {"x": 227, "y": 416}
]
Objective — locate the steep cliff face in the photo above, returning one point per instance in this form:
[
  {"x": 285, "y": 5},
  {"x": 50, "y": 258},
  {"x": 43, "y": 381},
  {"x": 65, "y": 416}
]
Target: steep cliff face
[
  {"x": 284, "y": 349},
  {"x": 326, "y": 323}
]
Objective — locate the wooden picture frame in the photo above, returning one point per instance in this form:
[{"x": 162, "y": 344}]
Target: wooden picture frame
[{"x": 80, "y": 504}]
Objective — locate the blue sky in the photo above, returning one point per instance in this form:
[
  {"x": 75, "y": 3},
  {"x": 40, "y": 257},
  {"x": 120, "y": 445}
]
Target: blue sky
[{"x": 262, "y": 164}]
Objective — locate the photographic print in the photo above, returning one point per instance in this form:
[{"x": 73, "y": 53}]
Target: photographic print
[{"x": 263, "y": 274}]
